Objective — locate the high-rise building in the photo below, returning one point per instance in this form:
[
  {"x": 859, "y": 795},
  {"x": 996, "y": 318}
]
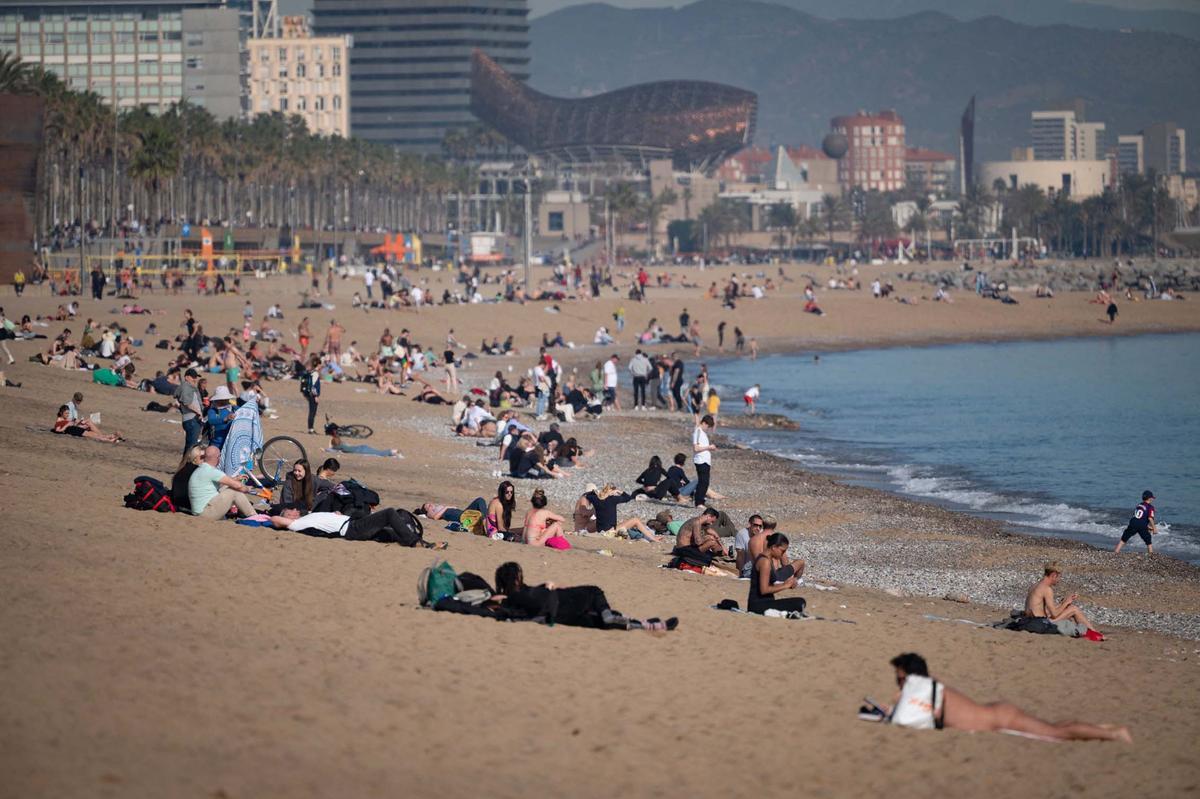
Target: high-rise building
[
  {"x": 875, "y": 153},
  {"x": 1064, "y": 136},
  {"x": 410, "y": 69},
  {"x": 135, "y": 52},
  {"x": 298, "y": 73},
  {"x": 929, "y": 170},
  {"x": 1131, "y": 158},
  {"x": 1165, "y": 148}
]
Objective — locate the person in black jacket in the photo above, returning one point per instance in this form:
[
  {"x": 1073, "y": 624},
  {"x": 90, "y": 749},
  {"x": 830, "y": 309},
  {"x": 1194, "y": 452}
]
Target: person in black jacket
[
  {"x": 604, "y": 504},
  {"x": 578, "y": 606}
]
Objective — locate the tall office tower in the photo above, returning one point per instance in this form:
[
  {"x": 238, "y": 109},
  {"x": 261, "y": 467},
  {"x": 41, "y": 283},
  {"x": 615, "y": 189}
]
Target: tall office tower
[
  {"x": 1165, "y": 148},
  {"x": 150, "y": 53},
  {"x": 410, "y": 67}
]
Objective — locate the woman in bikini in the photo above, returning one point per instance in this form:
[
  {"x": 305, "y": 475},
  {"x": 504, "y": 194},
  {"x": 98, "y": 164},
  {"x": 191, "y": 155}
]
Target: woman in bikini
[
  {"x": 543, "y": 527},
  {"x": 500, "y": 510},
  {"x": 305, "y": 336}
]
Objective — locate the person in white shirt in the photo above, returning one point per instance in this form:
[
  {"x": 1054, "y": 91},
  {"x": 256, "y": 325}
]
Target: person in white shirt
[
  {"x": 751, "y": 398},
  {"x": 388, "y": 526},
  {"x": 610, "y": 382},
  {"x": 369, "y": 281},
  {"x": 702, "y": 450}
]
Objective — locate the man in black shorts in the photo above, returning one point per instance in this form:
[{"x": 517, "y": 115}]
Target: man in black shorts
[{"x": 1141, "y": 524}]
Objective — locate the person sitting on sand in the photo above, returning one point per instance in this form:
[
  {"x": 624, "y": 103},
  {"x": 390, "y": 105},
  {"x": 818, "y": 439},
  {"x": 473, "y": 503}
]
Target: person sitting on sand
[
  {"x": 926, "y": 704},
  {"x": 770, "y": 575},
  {"x": 299, "y": 487},
  {"x": 577, "y": 606},
  {"x": 543, "y": 527},
  {"x": 698, "y": 532},
  {"x": 603, "y": 503},
  {"x": 1067, "y": 617},
  {"x": 741, "y": 544},
  {"x": 179, "y": 481},
  {"x": 757, "y": 544},
  {"x": 81, "y": 428},
  {"x": 337, "y": 445},
  {"x": 386, "y": 526},
  {"x": 500, "y": 511},
  {"x": 212, "y": 493}
]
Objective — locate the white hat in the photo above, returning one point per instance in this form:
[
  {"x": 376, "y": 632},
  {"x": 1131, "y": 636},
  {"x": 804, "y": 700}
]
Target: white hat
[{"x": 222, "y": 393}]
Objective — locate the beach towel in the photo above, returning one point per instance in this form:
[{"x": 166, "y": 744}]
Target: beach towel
[{"x": 245, "y": 437}]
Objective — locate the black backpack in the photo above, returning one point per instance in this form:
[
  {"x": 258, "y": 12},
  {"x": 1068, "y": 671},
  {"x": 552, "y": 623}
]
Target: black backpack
[
  {"x": 352, "y": 499},
  {"x": 149, "y": 494}
]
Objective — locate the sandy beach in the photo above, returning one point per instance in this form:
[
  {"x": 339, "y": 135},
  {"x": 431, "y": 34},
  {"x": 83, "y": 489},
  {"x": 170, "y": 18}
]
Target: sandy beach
[{"x": 153, "y": 654}]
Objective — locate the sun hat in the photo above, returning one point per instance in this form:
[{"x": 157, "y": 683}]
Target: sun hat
[{"x": 221, "y": 394}]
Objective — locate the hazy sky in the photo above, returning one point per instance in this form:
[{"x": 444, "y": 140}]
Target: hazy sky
[{"x": 538, "y": 7}]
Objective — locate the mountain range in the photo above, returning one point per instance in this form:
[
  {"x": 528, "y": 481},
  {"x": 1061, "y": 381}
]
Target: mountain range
[
  {"x": 926, "y": 66},
  {"x": 1027, "y": 12}
]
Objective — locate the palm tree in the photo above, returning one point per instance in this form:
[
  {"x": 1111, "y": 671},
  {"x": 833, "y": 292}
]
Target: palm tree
[
  {"x": 15, "y": 74},
  {"x": 688, "y": 195},
  {"x": 781, "y": 217},
  {"x": 835, "y": 211}
]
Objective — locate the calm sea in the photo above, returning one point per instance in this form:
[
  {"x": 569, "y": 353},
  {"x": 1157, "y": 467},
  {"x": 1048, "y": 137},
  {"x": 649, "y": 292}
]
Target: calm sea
[{"x": 1059, "y": 437}]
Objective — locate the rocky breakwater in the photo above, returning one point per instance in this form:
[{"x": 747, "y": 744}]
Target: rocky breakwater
[{"x": 1180, "y": 274}]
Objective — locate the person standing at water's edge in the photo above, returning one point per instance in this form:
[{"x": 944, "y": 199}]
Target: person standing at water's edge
[
  {"x": 702, "y": 451},
  {"x": 1141, "y": 524}
]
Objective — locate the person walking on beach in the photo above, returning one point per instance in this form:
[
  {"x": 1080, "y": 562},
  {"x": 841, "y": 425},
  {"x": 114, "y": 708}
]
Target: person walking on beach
[
  {"x": 1112, "y": 312},
  {"x": 702, "y": 451},
  {"x": 305, "y": 336},
  {"x": 310, "y": 388},
  {"x": 610, "y": 382},
  {"x": 923, "y": 703},
  {"x": 1141, "y": 524},
  {"x": 640, "y": 367}
]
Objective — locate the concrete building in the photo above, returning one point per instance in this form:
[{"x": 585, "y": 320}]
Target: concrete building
[
  {"x": 1131, "y": 154},
  {"x": 929, "y": 171},
  {"x": 135, "y": 52},
  {"x": 875, "y": 156},
  {"x": 298, "y": 73},
  {"x": 1165, "y": 148},
  {"x": 565, "y": 214},
  {"x": 693, "y": 191},
  {"x": 1075, "y": 178},
  {"x": 1064, "y": 136},
  {"x": 410, "y": 80}
]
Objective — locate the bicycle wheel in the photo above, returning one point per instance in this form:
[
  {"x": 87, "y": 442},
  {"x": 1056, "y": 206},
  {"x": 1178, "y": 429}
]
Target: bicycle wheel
[
  {"x": 278, "y": 455},
  {"x": 355, "y": 431}
]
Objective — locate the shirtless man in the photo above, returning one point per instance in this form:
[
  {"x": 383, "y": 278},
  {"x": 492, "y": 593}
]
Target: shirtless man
[
  {"x": 1040, "y": 604},
  {"x": 697, "y": 532},
  {"x": 959, "y": 712},
  {"x": 305, "y": 336},
  {"x": 333, "y": 339},
  {"x": 757, "y": 545}
]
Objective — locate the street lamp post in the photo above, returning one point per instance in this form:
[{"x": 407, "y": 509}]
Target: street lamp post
[{"x": 528, "y": 232}]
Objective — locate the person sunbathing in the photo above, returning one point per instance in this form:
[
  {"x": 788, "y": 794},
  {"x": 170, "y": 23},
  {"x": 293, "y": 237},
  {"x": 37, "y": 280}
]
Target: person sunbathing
[
  {"x": 386, "y": 526},
  {"x": 337, "y": 445},
  {"x": 81, "y": 428},
  {"x": 948, "y": 708},
  {"x": 543, "y": 527},
  {"x": 576, "y": 606},
  {"x": 1066, "y": 616},
  {"x": 603, "y": 503}
]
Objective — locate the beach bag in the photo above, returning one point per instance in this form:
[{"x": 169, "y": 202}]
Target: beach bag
[
  {"x": 919, "y": 701},
  {"x": 149, "y": 494},
  {"x": 352, "y": 499},
  {"x": 437, "y": 582},
  {"x": 471, "y": 521}
]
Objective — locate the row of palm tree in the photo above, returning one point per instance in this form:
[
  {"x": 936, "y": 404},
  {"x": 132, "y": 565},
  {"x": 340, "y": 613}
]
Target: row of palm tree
[{"x": 184, "y": 164}]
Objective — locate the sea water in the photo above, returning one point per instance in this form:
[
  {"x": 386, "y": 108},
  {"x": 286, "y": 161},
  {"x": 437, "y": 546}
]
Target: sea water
[{"x": 1058, "y": 437}]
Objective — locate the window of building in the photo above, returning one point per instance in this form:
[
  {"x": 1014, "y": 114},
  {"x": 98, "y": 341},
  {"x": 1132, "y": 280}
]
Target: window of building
[
  {"x": 337, "y": 70},
  {"x": 194, "y": 40},
  {"x": 283, "y": 104},
  {"x": 299, "y": 53},
  {"x": 301, "y": 104},
  {"x": 195, "y": 62},
  {"x": 264, "y": 104},
  {"x": 319, "y": 103},
  {"x": 337, "y": 102},
  {"x": 283, "y": 73},
  {"x": 336, "y": 53},
  {"x": 320, "y": 70},
  {"x": 318, "y": 53},
  {"x": 301, "y": 71},
  {"x": 282, "y": 88},
  {"x": 556, "y": 221},
  {"x": 283, "y": 55}
]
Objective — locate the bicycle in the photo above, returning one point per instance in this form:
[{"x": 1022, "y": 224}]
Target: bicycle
[
  {"x": 277, "y": 455},
  {"x": 347, "y": 430}
]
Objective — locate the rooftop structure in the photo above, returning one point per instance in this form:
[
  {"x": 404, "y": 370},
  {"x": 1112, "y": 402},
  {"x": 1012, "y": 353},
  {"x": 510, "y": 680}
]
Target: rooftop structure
[{"x": 693, "y": 123}]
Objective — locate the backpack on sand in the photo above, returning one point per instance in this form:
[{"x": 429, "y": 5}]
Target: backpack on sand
[
  {"x": 149, "y": 494},
  {"x": 437, "y": 582}
]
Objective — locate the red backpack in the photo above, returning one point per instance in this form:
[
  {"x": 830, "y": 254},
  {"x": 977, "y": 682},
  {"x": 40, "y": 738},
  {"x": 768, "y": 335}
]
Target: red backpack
[{"x": 149, "y": 494}]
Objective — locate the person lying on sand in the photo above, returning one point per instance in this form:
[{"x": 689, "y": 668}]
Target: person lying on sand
[
  {"x": 386, "y": 526},
  {"x": 1067, "y": 617},
  {"x": 81, "y": 428},
  {"x": 923, "y": 703},
  {"x": 577, "y": 606},
  {"x": 337, "y": 445}
]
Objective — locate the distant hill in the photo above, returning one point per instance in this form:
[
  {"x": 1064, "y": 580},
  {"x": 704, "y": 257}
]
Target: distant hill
[
  {"x": 1182, "y": 19},
  {"x": 926, "y": 66}
]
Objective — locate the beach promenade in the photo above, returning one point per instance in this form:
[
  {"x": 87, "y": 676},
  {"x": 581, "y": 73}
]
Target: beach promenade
[{"x": 152, "y": 654}]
